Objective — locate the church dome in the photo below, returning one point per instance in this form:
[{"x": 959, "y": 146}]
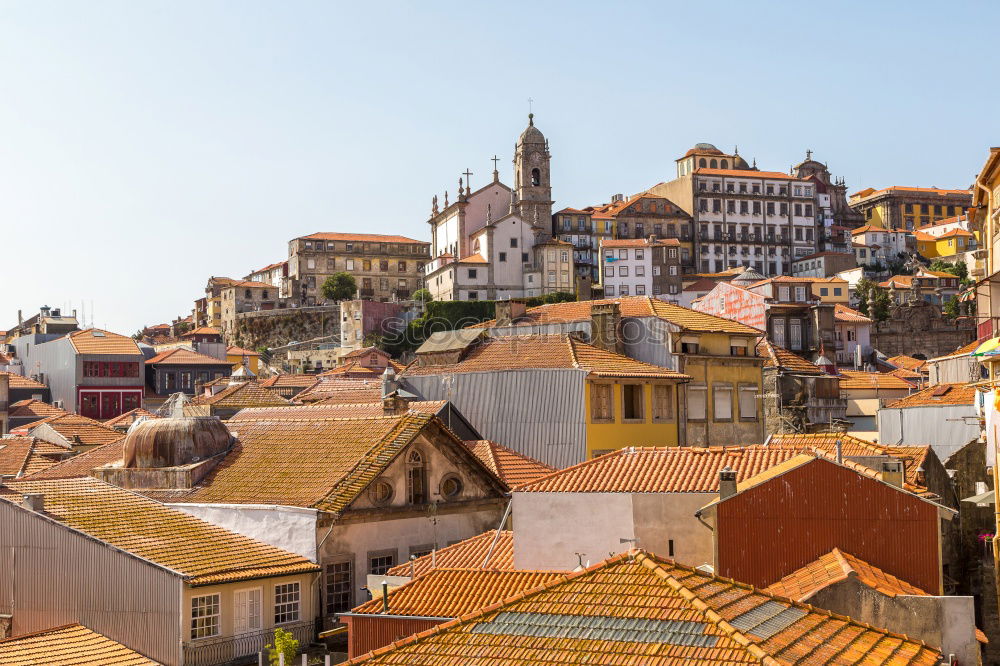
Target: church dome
[
  {"x": 531, "y": 134},
  {"x": 739, "y": 162},
  {"x": 703, "y": 149},
  {"x": 171, "y": 442}
]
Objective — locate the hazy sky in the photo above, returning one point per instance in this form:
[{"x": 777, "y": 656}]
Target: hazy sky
[{"x": 145, "y": 146}]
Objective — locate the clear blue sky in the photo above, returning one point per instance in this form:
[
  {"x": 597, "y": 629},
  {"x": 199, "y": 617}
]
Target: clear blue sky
[{"x": 147, "y": 145}]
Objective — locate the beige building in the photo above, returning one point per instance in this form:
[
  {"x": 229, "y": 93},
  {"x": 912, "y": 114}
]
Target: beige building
[
  {"x": 244, "y": 296},
  {"x": 909, "y": 207},
  {"x": 384, "y": 267}
]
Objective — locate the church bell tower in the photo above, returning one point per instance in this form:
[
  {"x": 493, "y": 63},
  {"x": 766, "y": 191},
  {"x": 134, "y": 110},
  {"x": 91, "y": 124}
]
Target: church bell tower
[{"x": 532, "y": 183}]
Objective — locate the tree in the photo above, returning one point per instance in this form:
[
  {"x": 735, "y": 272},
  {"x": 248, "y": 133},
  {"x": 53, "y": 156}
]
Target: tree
[
  {"x": 284, "y": 643},
  {"x": 863, "y": 291},
  {"x": 951, "y": 308},
  {"x": 340, "y": 287},
  {"x": 422, "y": 295},
  {"x": 881, "y": 303},
  {"x": 958, "y": 269}
]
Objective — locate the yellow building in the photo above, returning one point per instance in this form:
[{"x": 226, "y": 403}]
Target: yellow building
[
  {"x": 908, "y": 207},
  {"x": 830, "y": 290},
  {"x": 551, "y": 397},
  {"x": 236, "y": 356}
]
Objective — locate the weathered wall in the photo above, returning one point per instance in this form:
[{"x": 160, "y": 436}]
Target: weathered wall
[
  {"x": 289, "y": 527},
  {"x": 273, "y": 328},
  {"x": 948, "y": 622},
  {"x": 919, "y": 328}
]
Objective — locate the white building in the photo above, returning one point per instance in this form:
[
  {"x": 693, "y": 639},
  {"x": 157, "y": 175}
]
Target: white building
[
  {"x": 641, "y": 267},
  {"x": 877, "y": 245}
]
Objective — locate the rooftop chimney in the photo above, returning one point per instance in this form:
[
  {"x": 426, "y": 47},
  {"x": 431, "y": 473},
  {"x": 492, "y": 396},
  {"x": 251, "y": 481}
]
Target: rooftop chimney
[
  {"x": 388, "y": 381},
  {"x": 35, "y": 502},
  {"x": 507, "y": 312},
  {"x": 393, "y": 404},
  {"x": 892, "y": 472},
  {"x": 605, "y": 319},
  {"x": 727, "y": 483},
  {"x": 385, "y": 597}
]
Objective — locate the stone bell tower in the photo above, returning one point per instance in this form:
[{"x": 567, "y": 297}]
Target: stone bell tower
[{"x": 532, "y": 178}]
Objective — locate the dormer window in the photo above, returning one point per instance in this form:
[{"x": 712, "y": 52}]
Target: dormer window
[{"x": 416, "y": 478}]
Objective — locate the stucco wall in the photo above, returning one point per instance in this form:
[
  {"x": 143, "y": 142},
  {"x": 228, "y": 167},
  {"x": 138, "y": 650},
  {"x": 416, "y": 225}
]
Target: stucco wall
[{"x": 289, "y": 527}]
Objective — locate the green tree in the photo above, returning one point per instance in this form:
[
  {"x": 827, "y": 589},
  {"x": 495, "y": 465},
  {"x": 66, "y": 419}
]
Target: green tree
[
  {"x": 863, "y": 291},
  {"x": 339, "y": 287},
  {"x": 951, "y": 308},
  {"x": 880, "y": 304},
  {"x": 958, "y": 269},
  {"x": 422, "y": 295},
  {"x": 284, "y": 643}
]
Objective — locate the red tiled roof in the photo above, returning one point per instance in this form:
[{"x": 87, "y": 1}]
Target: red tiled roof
[
  {"x": 244, "y": 394},
  {"x": 74, "y": 429},
  {"x": 681, "y": 469},
  {"x": 96, "y": 341},
  {"x": 202, "y": 330},
  {"x": 512, "y": 467},
  {"x": 779, "y": 357},
  {"x": 908, "y": 362},
  {"x": 468, "y": 554},
  {"x": 233, "y": 350},
  {"x": 843, "y": 313},
  {"x": 21, "y": 456},
  {"x": 937, "y": 396},
  {"x": 83, "y": 463},
  {"x": 129, "y": 417},
  {"x": 362, "y": 238},
  {"x": 68, "y": 645},
  {"x": 364, "y": 351},
  {"x": 324, "y": 410},
  {"x": 340, "y": 390},
  {"x": 749, "y": 174},
  {"x": 852, "y": 379},
  {"x": 34, "y": 409},
  {"x": 836, "y": 567},
  {"x": 605, "y": 613},
  {"x": 181, "y": 356},
  {"x": 19, "y": 382},
  {"x": 925, "y": 190}
]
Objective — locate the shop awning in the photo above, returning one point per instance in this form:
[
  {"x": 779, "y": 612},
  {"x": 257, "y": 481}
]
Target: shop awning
[
  {"x": 988, "y": 348},
  {"x": 967, "y": 295},
  {"x": 982, "y": 498}
]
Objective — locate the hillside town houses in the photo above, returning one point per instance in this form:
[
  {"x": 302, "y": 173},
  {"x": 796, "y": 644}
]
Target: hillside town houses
[{"x": 736, "y": 416}]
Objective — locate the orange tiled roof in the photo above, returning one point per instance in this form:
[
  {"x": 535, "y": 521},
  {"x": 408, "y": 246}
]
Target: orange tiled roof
[
  {"x": 129, "y": 417},
  {"x": 202, "y": 330},
  {"x": 908, "y": 375},
  {"x": 924, "y": 236},
  {"x": 779, "y": 357},
  {"x": 35, "y": 409},
  {"x": 323, "y": 410},
  {"x": 352, "y": 369},
  {"x": 545, "y": 351},
  {"x": 449, "y": 593},
  {"x": 675, "y": 469},
  {"x": 73, "y": 427},
  {"x": 181, "y": 356},
  {"x": 244, "y": 394},
  {"x": 853, "y": 380},
  {"x": 82, "y": 464},
  {"x": 97, "y": 341},
  {"x": 843, "y": 313},
  {"x": 965, "y": 350},
  {"x": 16, "y": 381},
  {"x": 370, "y": 238},
  {"x": 468, "y": 554},
  {"x": 629, "y": 610},
  {"x": 319, "y": 463},
  {"x": 938, "y": 395},
  {"x": 512, "y": 467},
  {"x": 925, "y": 190},
  {"x": 202, "y": 553},
  {"x": 836, "y": 567},
  {"x": 342, "y": 390},
  {"x": 364, "y": 351},
  {"x": 955, "y": 232},
  {"x": 749, "y": 174},
  {"x": 68, "y": 645},
  {"x": 631, "y": 306},
  {"x": 233, "y": 350},
  {"x": 285, "y": 379},
  {"x": 473, "y": 259},
  {"x": 21, "y": 456}
]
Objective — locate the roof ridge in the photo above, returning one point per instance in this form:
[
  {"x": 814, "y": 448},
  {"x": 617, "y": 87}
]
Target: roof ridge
[{"x": 576, "y": 466}]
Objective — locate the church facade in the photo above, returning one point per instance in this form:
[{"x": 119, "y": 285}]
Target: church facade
[{"x": 494, "y": 243}]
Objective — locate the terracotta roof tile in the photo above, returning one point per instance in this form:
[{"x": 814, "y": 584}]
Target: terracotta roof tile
[
  {"x": 938, "y": 395},
  {"x": 97, "y": 341},
  {"x": 628, "y": 610},
  {"x": 681, "y": 469},
  {"x": 181, "y": 356},
  {"x": 69, "y": 645},
  {"x": 631, "y": 306},
  {"x": 82, "y": 464},
  {"x": 907, "y": 362},
  {"x": 244, "y": 394},
  {"x": 924, "y": 190},
  {"x": 749, "y": 174},
  {"x": 129, "y": 417},
  {"x": 352, "y": 370},
  {"x": 544, "y": 351},
  {"x": 285, "y": 379},
  {"x": 335, "y": 391},
  {"x": 512, "y": 467},
  {"x": 75, "y": 428},
  {"x": 201, "y": 552},
  {"x": 34, "y": 409},
  {"x": 16, "y": 381},
  {"x": 368, "y": 238},
  {"x": 843, "y": 313},
  {"x": 324, "y": 410},
  {"x": 233, "y": 350},
  {"x": 202, "y": 330},
  {"x": 468, "y": 554},
  {"x": 21, "y": 456},
  {"x": 835, "y": 567},
  {"x": 779, "y": 357},
  {"x": 365, "y": 351},
  {"x": 452, "y": 593},
  {"x": 854, "y": 380}
]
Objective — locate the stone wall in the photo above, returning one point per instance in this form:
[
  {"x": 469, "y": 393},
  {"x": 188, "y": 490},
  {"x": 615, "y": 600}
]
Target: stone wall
[
  {"x": 920, "y": 328},
  {"x": 274, "y": 328}
]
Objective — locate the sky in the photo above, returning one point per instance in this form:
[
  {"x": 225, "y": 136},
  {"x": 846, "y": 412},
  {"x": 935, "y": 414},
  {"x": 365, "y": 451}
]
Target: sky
[{"x": 146, "y": 145}]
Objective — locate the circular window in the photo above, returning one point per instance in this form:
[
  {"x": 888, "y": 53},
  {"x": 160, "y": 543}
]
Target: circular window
[
  {"x": 451, "y": 487},
  {"x": 380, "y": 492}
]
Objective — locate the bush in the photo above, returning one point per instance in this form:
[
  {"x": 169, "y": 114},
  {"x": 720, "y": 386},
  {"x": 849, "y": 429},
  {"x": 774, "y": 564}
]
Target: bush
[
  {"x": 422, "y": 295},
  {"x": 284, "y": 643}
]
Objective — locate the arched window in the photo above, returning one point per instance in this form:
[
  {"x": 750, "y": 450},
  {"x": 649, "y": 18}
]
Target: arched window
[
  {"x": 702, "y": 163},
  {"x": 725, "y": 164},
  {"x": 416, "y": 478},
  {"x": 536, "y": 177},
  {"x": 714, "y": 163}
]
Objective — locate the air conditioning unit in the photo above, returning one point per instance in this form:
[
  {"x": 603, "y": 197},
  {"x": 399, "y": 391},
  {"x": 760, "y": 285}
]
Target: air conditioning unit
[{"x": 58, "y": 404}]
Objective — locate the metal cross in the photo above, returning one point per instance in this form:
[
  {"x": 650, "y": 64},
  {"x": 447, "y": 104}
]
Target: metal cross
[
  {"x": 495, "y": 161},
  {"x": 468, "y": 180},
  {"x": 530, "y": 110},
  {"x": 809, "y": 154}
]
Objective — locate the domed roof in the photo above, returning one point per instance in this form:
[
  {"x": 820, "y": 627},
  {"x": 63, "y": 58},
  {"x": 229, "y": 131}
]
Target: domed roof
[
  {"x": 703, "y": 149},
  {"x": 171, "y": 442},
  {"x": 531, "y": 134},
  {"x": 749, "y": 276},
  {"x": 739, "y": 162}
]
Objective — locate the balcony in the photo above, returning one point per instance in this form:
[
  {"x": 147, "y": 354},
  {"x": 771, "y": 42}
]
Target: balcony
[
  {"x": 366, "y": 293},
  {"x": 212, "y": 651}
]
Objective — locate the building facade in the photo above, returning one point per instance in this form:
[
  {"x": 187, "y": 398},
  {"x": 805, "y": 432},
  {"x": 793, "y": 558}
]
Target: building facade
[
  {"x": 640, "y": 267},
  {"x": 909, "y": 207}
]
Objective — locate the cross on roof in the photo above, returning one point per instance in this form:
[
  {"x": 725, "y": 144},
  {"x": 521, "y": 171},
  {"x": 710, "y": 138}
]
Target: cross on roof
[{"x": 468, "y": 180}]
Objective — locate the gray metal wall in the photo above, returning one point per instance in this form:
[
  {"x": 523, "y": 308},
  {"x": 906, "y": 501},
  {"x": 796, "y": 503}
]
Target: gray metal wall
[
  {"x": 56, "y": 358},
  {"x": 51, "y": 575},
  {"x": 540, "y": 413},
  {"x": 944, "y": 428},
  {"x": 955, "y": 370}
]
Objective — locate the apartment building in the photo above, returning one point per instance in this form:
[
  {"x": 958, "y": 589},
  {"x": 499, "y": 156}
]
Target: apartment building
[
  {"x": 823, "y": 264},
  {"x": 244, "y": 296},
  {"x": 743, "y": 216},
  {"x": 907, "y": 208},
  {"x": 384, "y": 267},
  {"x": 873, "y": 244},
  {"x": 641, "y": 266}
]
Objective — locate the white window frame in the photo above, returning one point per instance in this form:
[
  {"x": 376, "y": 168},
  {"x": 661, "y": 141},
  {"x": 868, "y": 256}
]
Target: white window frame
[
  {"x": 721, "y": 411},
  {"x": 748, "y": 402},
  {"x": 697, "y": 403},
  {"x": 287, "y": 602},
  {"x": 206, "y": 616},
  {"x": 253, "y": 615}
]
